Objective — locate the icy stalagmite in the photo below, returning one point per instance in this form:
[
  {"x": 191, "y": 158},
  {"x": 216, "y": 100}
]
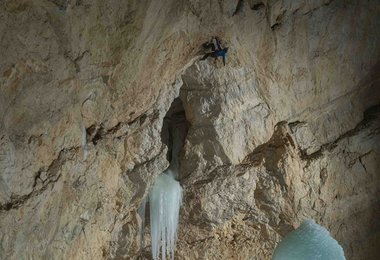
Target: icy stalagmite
[{"x": 309, "y": 241}]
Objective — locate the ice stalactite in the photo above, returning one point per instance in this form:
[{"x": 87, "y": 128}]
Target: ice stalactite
[
  {"x": 141, "y": 212},
  {"x": 165, "y": 200},
  {"x": 309, "y": 241},
  {"x": 165, "y": 197}
]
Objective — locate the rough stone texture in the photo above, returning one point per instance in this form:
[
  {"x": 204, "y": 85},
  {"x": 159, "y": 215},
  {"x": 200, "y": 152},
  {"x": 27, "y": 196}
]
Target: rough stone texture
[{"x": 287, "y": 130}]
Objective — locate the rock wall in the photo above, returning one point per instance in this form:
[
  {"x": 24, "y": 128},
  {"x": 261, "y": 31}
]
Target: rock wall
[{"x": 288, "y": 129}]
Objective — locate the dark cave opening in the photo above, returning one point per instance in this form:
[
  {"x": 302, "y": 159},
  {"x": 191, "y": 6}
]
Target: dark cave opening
[{"x": 174, "y": 131}]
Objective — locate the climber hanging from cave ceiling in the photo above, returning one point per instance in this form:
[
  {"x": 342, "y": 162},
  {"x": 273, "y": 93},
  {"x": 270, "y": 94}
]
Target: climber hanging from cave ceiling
[{"x": 216, "y": 50}]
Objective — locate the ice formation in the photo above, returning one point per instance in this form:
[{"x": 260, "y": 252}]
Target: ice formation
[
  {"x": 141, "y": 212},
  {"x": 165, "y": 200},
  {"x": 309, "y": 241}
]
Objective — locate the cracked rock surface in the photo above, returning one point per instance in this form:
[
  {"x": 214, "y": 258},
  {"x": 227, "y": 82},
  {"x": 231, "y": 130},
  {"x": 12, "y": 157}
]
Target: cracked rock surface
[{"x": 289, "y": 129}]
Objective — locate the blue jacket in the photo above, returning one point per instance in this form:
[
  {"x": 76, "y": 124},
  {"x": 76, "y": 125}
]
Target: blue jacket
[{"x": 220, "y": 52}]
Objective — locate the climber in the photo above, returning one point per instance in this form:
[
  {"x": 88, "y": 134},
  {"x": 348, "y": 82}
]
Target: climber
[{"x": 216, "y": 52}]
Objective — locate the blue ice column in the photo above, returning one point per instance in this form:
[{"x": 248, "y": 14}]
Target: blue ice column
[{"x": 309, "y": 241}]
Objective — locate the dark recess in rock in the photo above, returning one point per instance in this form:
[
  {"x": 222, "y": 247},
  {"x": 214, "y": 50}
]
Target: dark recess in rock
[
  {"x": 61, "y": 4},
  {"x": 258, "y": 6},
  {"x": 239, "y": 7},
  {"x": 94, "y": 133},
  {"x": 175, "y": 118}
]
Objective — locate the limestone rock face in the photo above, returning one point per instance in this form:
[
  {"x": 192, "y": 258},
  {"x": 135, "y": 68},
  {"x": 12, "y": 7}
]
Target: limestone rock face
[{"x": 287, "y": 130}]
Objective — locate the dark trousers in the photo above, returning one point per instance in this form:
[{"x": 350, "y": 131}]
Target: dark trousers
[{"x": 209, "y": 45}]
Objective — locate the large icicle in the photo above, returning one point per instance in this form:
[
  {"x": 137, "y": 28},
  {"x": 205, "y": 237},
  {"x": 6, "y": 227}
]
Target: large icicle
[
  {"x": 309, "y": 241},
  {"x": 165, "y": 200}
]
